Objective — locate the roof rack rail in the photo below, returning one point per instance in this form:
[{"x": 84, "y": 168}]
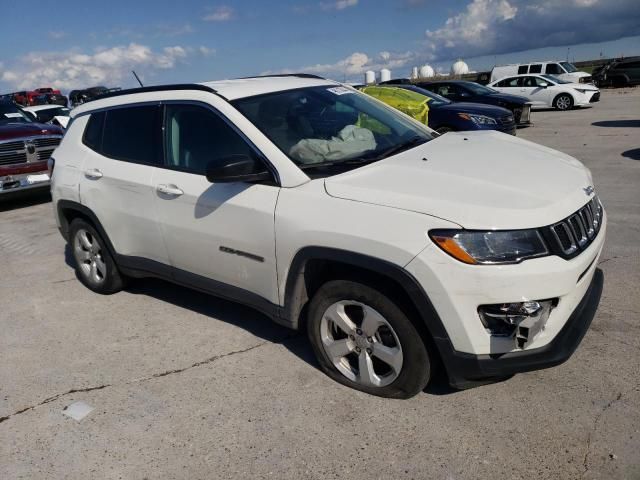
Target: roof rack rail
[
  {"x": 155, "y": 88},
  {"x": 300, "y": 75}
]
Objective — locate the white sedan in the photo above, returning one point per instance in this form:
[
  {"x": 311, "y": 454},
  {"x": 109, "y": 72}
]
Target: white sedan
[{"x": 546, "y": 91}]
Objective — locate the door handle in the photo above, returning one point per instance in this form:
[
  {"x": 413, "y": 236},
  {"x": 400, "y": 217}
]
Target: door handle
[
  {"x": 169, "y": 190},
  {"x": 93, "y": 173}
]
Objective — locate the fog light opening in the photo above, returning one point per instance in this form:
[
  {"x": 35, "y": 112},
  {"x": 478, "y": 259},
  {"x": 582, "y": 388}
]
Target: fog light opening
[{"x": 522, "y": 321}]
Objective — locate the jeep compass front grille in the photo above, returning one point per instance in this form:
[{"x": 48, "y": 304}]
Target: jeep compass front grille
[{"x": 576, "y": 232}]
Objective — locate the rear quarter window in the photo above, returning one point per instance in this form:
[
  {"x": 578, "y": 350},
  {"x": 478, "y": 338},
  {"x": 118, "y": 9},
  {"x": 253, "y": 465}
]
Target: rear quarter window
[
  {"x": 92, "y": 137},
  {"x": 522, "y": 69}
]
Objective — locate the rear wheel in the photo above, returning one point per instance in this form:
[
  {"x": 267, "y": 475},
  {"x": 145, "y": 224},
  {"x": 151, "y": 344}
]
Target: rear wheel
[
  {"x": 563, "y": 101},
  {"x": 95, "y": 266},
  {"x": 362, "y": 339}
]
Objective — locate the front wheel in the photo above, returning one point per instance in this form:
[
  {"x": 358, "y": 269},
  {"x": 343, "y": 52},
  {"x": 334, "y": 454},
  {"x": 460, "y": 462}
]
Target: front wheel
[
  {"x": 362, "y": 339},
  {"x": 563, "y": 102}
]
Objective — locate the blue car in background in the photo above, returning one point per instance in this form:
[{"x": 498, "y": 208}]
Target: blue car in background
[{"x": 446, "y": 116}]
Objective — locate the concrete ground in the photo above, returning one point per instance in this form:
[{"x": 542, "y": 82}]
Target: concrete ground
[{"x": 187, "y": 386}]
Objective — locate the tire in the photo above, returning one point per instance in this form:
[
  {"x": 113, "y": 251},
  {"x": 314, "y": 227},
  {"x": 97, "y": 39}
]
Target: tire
[
  {"x": 443, "y": 130},
  {"x": 372, "y": 328},
  {"x": 95, "y": 266},
  {"x": 563, "y": 102}
]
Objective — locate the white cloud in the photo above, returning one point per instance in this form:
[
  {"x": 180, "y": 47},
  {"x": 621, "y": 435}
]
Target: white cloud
[
  {"x": 489, "y": 27},
  {"x": 355, "y": 64},
  {"x": 223, "y": 13},
  {"x": 74, "y": 68},
  {"x": 57, "y": 34},
  {"x": 206, "y": 51},
  {"x": 338, "y": 4}
]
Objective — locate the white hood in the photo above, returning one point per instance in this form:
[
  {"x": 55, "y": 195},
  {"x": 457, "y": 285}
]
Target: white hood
[{"x": 479, "y": 180}]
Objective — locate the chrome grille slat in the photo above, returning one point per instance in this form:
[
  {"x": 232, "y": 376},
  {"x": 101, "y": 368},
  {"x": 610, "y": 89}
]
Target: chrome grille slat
[
  {"x": 577, "y": 231},
  {"x": 28, "y": 149}
]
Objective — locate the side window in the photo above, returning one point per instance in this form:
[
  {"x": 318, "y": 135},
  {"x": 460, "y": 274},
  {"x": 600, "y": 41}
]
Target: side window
[
  {"x": 522, "y": 69},
  {"x": 92, "y": 137},
  {"x": 133, "y": 134},
  {"x": 553, "y": 69},
  {"x": 529, "y": 81},
  {"x": 537, "y": 68},
  {"x": 509, "y": 82},
  {"x": 196, "y": 136},
  {"x": 443, "y": 90}
]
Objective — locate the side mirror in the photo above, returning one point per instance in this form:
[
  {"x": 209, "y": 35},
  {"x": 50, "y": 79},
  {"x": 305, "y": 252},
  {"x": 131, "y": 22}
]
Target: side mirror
[{"x": 236, "y": 168}]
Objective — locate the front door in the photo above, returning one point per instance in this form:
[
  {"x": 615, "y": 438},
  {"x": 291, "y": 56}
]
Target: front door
[{"x": 219, "y": 231}]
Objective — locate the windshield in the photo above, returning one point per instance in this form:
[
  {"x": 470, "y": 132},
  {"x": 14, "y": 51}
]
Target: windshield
[
  {"x": 569, "y": 67},
  {"x": 555, "y": 79},
  {"x": 9, "y": 113},
  {"x": 479, "y": 89},
  {"x": 331, "y": 125}
]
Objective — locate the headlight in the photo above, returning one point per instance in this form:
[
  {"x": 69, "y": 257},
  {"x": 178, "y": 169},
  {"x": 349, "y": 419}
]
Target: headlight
[
  {"x": 476, "y": 247},
  {"x": 583, "y": 90},
  {"x": 478, "y": 119}
]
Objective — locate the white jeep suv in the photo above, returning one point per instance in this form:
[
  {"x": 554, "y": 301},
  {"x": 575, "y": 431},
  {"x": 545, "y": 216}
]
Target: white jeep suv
[{"x": 398, "y": 249}]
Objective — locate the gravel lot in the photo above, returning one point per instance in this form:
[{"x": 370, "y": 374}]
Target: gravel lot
[{"x": 188, "y": 386}]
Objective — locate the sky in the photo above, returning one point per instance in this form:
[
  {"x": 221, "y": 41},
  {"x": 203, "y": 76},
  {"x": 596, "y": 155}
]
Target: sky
[{"x": 78, "y": 43}]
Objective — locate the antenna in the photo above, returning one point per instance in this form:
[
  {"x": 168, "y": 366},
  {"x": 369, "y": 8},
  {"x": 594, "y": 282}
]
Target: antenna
[{"x": 138, "y": 79}]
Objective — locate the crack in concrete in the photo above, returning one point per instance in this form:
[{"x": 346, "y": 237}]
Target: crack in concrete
[
  {"x": 585, "y": 460},
  {"x": 144, "y": 379}
]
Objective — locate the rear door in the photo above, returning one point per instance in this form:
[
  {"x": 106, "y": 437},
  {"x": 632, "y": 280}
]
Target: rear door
[
  {"x": 123, "y": 148},
  {"x": 532, "y": 88},
  {"x": 509, "y": 85},
  {"x": 214, "y": 231}
]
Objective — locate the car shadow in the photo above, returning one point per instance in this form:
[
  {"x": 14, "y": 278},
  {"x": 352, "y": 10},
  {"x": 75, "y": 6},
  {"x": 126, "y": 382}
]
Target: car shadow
[
  {"x": 242, "y": 317},
  {"x": 18, "y": 200},
  {"x": 632, "y": 154},
  {"x": 618, "y": 123}
]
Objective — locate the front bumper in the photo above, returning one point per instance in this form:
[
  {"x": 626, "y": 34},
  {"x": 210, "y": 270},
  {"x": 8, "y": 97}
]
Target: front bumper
[
  {"x": 31, "y": 177},
  {"x": 466, "y": 370}
]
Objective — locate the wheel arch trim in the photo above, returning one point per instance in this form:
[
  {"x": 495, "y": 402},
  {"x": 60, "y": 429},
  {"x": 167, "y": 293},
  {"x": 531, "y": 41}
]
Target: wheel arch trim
[{"x": 295, "y": 290}]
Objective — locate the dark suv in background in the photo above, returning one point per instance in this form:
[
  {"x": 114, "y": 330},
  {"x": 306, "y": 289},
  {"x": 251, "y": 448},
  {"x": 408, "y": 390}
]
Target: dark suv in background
[{"x": 618, "y": 73}]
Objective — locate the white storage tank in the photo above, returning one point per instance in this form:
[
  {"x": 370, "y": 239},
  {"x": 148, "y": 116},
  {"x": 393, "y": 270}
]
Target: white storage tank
[
  {"x": 414, "y": 73},
  {"x": 385, "y": 75},
  {"x": 459, "y": 68},
  {"x": 369, "y": 77},
  {"x": 426, "y": 71}
]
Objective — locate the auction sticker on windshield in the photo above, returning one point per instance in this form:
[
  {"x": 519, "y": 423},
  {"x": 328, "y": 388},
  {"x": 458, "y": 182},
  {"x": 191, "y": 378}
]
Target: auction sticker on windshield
[{"x": 339, "y": 90}]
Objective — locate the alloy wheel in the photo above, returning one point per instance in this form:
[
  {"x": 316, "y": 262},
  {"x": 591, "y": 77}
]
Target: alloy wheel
[
  {"x": 361, "y": 343},
  {"x": 564, "y": 102},
  {"x": 88, "y": 255}
]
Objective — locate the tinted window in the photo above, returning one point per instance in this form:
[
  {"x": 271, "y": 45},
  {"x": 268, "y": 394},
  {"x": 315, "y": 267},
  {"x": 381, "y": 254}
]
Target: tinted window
[
  {"x": 553, "y": 69},
  {"x": 133, "y": 134},
  {"x": 93, "y": 131},
  {"x": 533, "y": 82},
  {"x": 523, "y": 69},
  {"x": 196, "y": 136},
  {"x": 509, "y": 82},
  {"x": 535, "y": 68}
]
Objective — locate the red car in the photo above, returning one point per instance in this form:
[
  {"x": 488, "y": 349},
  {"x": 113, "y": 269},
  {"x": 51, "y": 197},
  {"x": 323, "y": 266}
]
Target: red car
[
  {"x": 27, "y": 99},
  {"x": 25, "y": 148},
  {"x": 53, "y": 96}
]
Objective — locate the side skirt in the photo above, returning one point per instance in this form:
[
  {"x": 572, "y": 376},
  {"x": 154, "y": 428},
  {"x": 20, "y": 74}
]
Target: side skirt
[{"x": 139, "y": 267}]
